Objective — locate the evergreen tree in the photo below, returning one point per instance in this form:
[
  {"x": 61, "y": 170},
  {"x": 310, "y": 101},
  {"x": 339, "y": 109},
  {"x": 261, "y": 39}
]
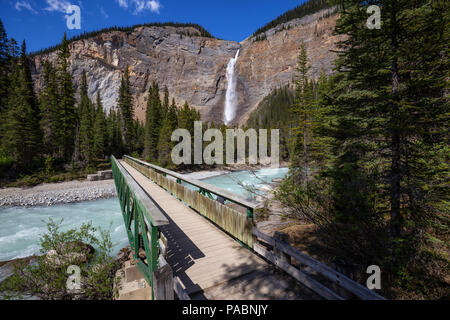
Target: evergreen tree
[
  {"x": 125, "y": 103},
  {"x": 65, "y": 130},
  {"x": 100, "y": 130},
  {"x": 304, "y": 112},
  {"x": 391, "y": 105},
  {"x": 165, "y": 104},
  {"x": 186, "y": 118},
  {"x": 48, "y": 102},
  {"x": 5, "y": 68},
  {"x": 115, "y": 143},
  {"x": 165, "y": 145},
  {"x": 22, "y": 135},
  {"x": 87, "y": 118},
  {"x": 153, "y": 122}
]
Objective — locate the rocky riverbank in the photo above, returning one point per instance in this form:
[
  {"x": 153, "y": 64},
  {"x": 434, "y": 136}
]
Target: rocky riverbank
[{"x": 57, "y": 193}]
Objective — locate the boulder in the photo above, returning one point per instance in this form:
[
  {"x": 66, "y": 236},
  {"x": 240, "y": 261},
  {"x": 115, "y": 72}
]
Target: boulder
[
  {"x": 93, "y": 177},
  {"x": 75, "y": 253}
]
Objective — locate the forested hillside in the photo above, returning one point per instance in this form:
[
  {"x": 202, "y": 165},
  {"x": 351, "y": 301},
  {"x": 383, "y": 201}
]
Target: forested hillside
[
  {"x": 48, "y": 136},
  {"x": 369, "y": 147}
]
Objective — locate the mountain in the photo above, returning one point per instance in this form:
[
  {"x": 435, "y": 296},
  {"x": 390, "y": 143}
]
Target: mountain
[{"x": 192, "y": 64}]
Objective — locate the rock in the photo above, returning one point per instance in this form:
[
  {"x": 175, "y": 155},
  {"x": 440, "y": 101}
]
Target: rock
[
  {"x": 106, "y": 174},
  {"x": 123, "y": 255},
  {"x": 92, "y": 177},
  {"x": 194, "y": 67},
  {"x": 75, "y": 253},
  {"x": 266, "y": 188},
  {"x": 142, "y": 253}
]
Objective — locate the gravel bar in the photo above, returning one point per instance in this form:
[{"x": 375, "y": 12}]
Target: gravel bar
[{"x": 57, "y": 193}]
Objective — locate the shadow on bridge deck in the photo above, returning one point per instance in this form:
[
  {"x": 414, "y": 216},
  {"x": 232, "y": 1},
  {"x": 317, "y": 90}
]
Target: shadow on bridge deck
[{"x": 210, "y": 263}]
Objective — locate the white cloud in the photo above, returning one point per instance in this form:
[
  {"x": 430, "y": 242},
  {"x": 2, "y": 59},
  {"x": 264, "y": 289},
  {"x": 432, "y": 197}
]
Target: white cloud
[
  {"x": 24, "y": 5},
  {"x": 123, "y": 3},
  {"x": 153, "y": 5},
  {"x": 103, "y": 13},
  {"x": 57, "y": 5},
  {"x": 141, "y": 5}
]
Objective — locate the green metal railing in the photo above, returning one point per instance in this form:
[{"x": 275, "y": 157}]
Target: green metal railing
[
  {"x": 235, "y": 223},
  {"x": 142, "y": 219}
]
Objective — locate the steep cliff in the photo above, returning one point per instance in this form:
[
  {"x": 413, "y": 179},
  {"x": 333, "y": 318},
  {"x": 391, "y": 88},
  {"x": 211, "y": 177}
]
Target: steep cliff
[{"x": 194, "y": 67}]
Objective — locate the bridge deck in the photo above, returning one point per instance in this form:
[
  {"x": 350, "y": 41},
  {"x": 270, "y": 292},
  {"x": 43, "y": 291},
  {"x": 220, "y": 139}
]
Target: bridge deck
[{"x": 200, "y": 254}]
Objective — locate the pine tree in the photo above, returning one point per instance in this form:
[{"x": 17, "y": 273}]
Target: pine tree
[
  {"x": 304, "y": 112},
  {"x": 392, "y": 100},
  {"x": 165, "y": 104},
  {"x": 5, "y": 68},
  {"x": 125, "y": 103},
  {"x": 48, "y": 102},
  {"x": 165, "y": 145},
  {"x": 22, "y": 134},
  {"x": 119, "y": 148},
  {"x": 100, "y": 130},
  {"x": 65, "y": 130},
  {"x": 153, "y": 122},
  {"x": 186, "y": 118},
  {"x": 86, "y": 119}
]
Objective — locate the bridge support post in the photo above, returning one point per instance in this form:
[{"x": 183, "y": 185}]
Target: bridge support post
[
  {"x": 279, "y": 253},
  {"x": 163, "y": 283}
]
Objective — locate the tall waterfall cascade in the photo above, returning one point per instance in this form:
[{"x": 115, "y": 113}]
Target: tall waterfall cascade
[{"x": 231, "y": 97}]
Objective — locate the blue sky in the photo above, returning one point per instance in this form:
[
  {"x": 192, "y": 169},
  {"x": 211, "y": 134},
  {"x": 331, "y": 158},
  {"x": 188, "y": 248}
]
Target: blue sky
[{"x": 42, "y": 22}]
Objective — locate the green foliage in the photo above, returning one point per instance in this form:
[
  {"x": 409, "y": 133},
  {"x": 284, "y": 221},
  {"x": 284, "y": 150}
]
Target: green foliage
[
  {"x": 5, "y": 69},
  {"x": 274, "y": 111},
  {"x": 165, "y": 143},
  {"x": 47, "y": 277},
  {"x": 379, "y": 145},
  {"x": 66, "y": 123},
  {"x": 100, "y": 130},
  {"x": 21, "y": 131},
  {"x": 153, "y": 123},
  {"x": 48, "y": 101},
  {"x": 6, "y": 165},
  {"x": 125, "y": 105},
  {"x": 86, "y": 117}
]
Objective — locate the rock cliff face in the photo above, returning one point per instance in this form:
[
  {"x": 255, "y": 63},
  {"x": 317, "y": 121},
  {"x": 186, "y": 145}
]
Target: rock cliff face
[{"x": 194, "y": 67}]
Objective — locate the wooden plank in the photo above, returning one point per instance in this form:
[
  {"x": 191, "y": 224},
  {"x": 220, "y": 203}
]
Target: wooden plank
[
  {"x": 212, "y": 255},
  {"x": 333, "y": 275},
  {"x": 238, "y": 225},
  {"x": 220, "y": 270},
  {"x": 208, "y": 283},
  {"x": 207, "y": 250},
  {"x": 179, "y": 290},
  {"x": 200, "y": 184},
  {"x": 297, "y": 274},
  {"x": 163, "y": 283}
]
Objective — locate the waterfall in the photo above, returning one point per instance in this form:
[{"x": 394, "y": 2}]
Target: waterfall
[{"x": 230, "y": 97}]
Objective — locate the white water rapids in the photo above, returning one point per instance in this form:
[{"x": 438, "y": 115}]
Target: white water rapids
[{"x": 231, "y": 97}]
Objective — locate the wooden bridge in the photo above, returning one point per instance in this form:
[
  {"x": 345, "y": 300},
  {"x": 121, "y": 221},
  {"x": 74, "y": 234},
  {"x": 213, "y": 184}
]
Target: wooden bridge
[{"x": 188, "y": 242}]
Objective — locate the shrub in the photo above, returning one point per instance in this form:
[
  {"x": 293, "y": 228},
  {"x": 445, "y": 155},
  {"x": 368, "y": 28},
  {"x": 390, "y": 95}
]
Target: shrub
[{"x": 47, "y": 278}]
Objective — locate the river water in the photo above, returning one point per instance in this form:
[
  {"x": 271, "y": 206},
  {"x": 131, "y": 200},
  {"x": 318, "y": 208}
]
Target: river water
[{"x": 21, "y": 228}]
